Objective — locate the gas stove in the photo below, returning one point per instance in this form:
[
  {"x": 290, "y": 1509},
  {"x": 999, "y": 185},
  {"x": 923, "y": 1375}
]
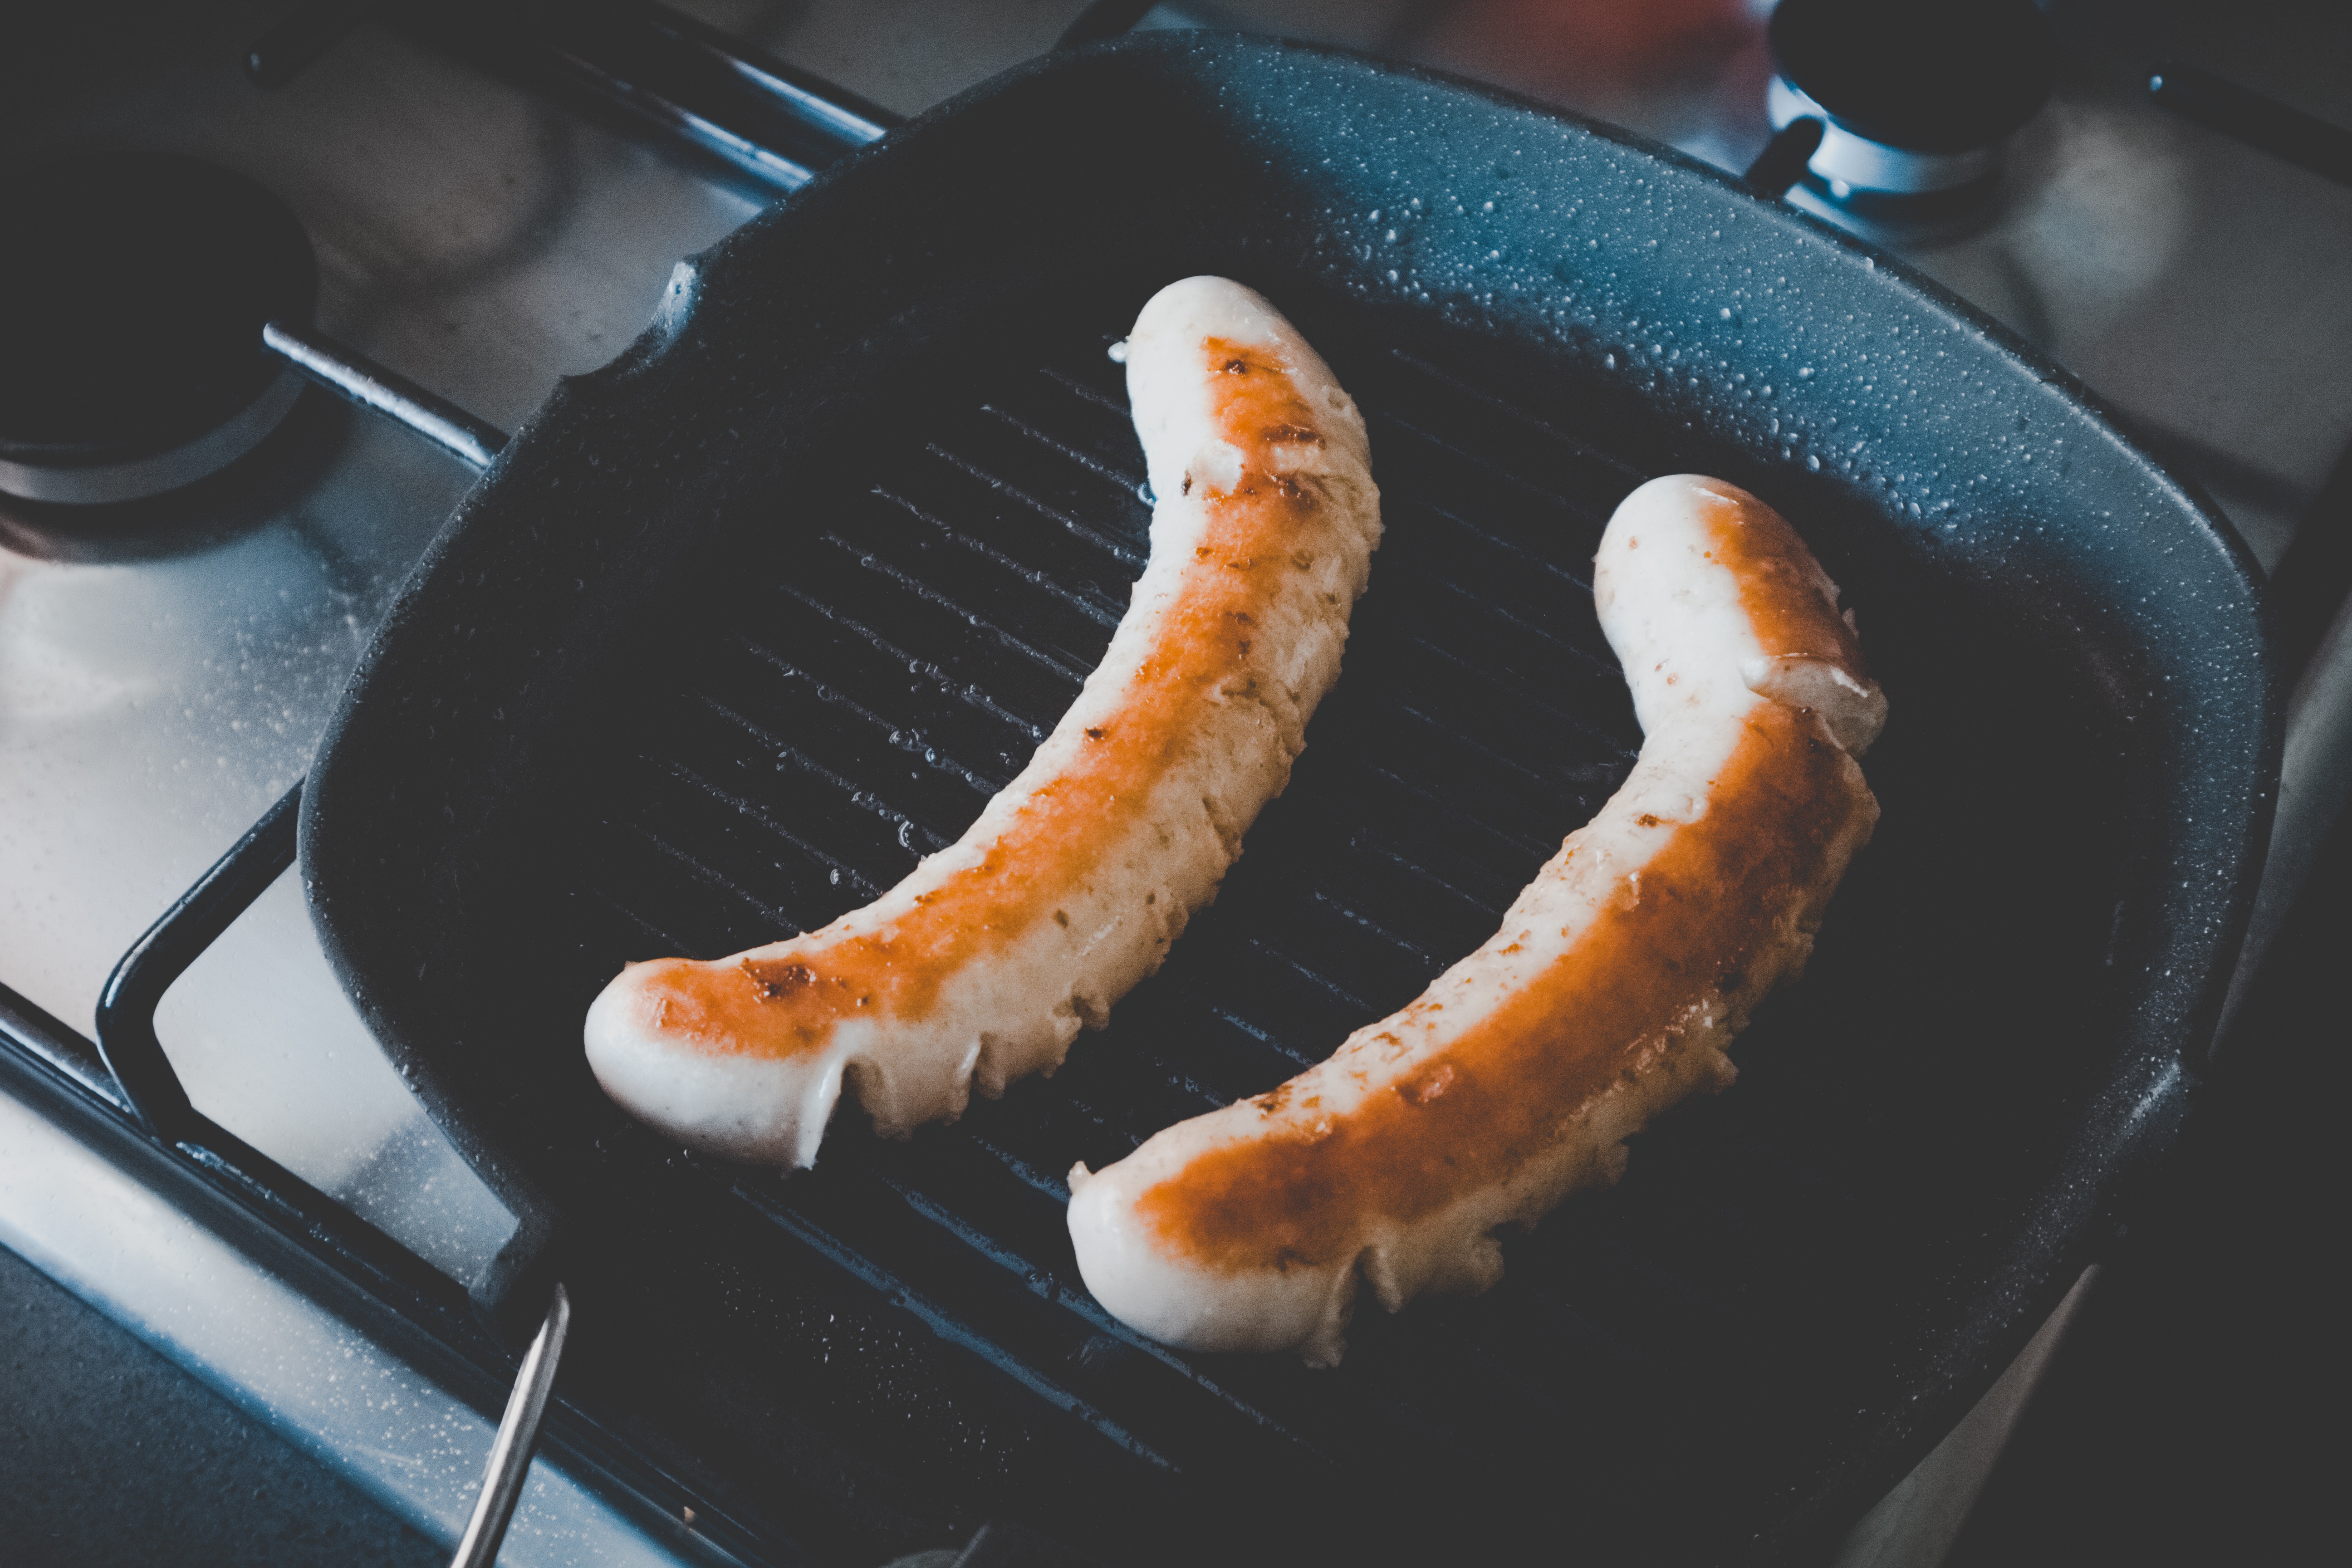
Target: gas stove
[{"x": 492, "y": 202}]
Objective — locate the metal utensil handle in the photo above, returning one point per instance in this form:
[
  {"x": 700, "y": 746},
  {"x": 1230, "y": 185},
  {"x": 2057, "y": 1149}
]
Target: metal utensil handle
[{"x": 502, "y": 1477}]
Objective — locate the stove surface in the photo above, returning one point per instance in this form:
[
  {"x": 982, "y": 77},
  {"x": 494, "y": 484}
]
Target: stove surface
[{"x": 160, "y": 686}]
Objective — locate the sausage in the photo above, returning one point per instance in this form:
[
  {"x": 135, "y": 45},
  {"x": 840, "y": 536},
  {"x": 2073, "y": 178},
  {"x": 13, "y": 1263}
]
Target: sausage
[
  {"x": 1618, "y": 978},
  {"x": 985, "y": 962}
]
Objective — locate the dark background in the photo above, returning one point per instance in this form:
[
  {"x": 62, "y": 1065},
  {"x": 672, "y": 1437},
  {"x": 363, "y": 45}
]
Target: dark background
[{"x": 2193, "y": 1413}]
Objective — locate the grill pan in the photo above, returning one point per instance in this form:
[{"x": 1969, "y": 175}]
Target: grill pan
[{"x": 741, "y": 626}]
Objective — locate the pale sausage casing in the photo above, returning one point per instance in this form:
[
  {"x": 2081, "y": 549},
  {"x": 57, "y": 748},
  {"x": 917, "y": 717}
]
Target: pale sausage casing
[
  {"x": 1617, "y": 980},
  {"x": 987, "y": 960}
]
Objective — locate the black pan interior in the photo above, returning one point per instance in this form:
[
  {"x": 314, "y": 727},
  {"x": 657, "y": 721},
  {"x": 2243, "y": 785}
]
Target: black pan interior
[{"x": 740, "y": 627}]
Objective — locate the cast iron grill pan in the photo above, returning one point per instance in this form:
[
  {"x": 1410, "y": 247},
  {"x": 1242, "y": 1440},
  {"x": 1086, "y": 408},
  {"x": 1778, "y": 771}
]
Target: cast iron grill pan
[{"x": 743, "y": 627}]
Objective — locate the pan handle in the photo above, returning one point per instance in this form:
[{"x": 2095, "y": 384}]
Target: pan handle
[
  {"x": 134, "y": 1054},
  {"x": 513, "y": 1289},
  {"x": 126, "y": 1009}
]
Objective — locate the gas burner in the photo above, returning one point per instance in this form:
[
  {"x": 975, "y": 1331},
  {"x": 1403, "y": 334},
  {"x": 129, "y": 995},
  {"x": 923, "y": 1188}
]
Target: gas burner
[
  {"x": 1915, "y": 101},
  {"x": 138, "y": 284}
]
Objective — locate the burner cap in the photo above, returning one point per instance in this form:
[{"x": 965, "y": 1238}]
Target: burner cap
[
  {"x": 132, "y": 293},
  {"x": 1926, "y": 76}
]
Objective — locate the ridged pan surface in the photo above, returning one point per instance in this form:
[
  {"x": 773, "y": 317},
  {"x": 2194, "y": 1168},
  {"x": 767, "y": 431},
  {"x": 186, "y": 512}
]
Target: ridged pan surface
[{"x": 743, "y": 625}]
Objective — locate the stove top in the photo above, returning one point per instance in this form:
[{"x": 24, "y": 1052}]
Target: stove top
[{"x": 486, "y": 219}]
